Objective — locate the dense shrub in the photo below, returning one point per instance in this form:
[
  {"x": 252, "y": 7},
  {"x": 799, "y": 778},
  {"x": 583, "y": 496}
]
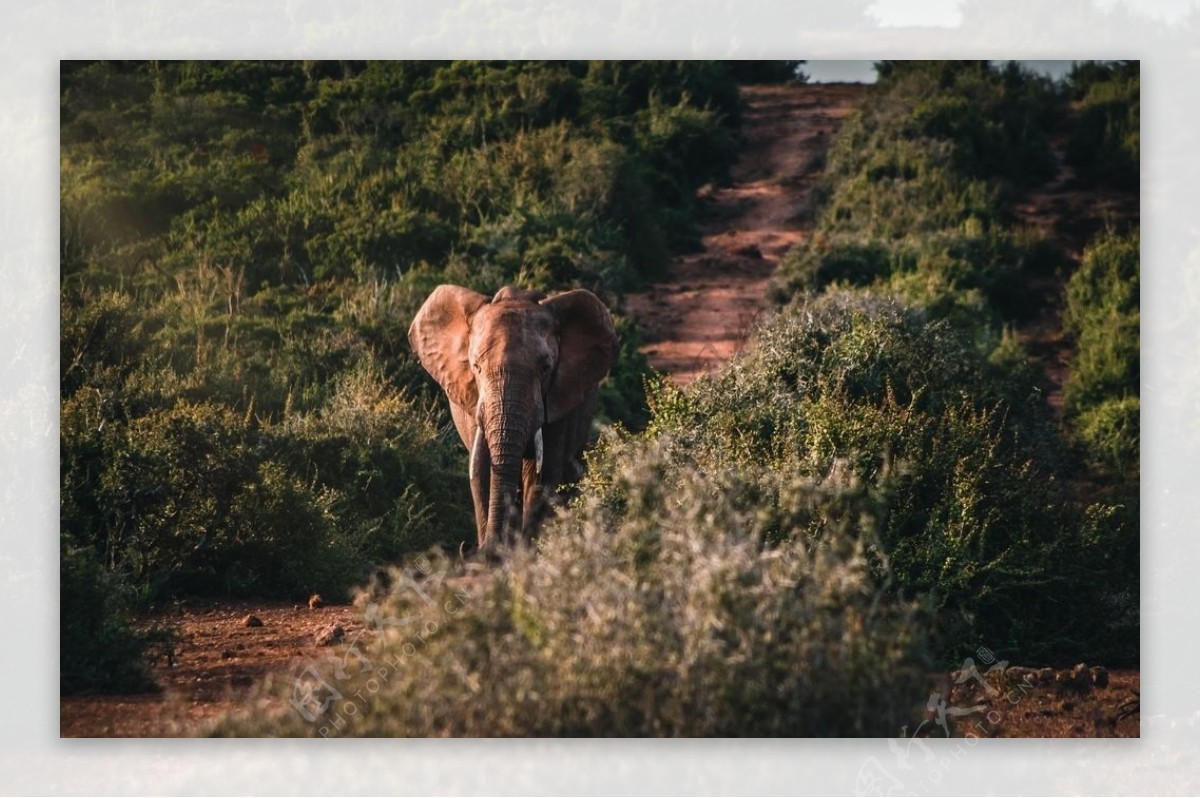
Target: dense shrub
[
  {"x": 968, "y": 275},
  {"x": 768, "y": 71},
  {"x": 98, "y": 651},
  {"x": 649, "y": 609},
  {"x": 913, "y": 196},
  {"x": 959, "y": 447},
  {"x": 986, "y": 514},
  {"x": 1103, "y": 316},
  {"x": 994, "y": 117},
  {"x": 1104, "y": 141},
  {"x": 295, "y": 172},
  {"x": 1109, "y": 433},
  {"x": 197, "y": 498}
]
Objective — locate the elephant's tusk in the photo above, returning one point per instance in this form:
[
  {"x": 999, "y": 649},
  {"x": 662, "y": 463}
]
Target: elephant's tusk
[
  {"x": 474, "y": 451},
  {"x": 537, "y": 449}
]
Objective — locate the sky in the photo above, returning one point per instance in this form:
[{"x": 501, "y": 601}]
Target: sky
[
  {"x": 864, "y": 72},
  {"x": 840, "y": 71}
]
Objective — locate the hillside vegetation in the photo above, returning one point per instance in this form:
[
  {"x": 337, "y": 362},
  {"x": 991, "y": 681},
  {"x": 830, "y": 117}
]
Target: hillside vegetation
[
  {"x": 244, "y": 245},
  {"x": 874, "y": 491}
]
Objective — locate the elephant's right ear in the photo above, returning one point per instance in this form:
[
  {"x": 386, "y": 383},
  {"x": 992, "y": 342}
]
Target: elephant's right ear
[{"x": 440, "y": 336}]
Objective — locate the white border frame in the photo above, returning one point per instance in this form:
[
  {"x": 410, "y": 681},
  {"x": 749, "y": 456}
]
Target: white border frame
[{"x": 34, "y": 760}]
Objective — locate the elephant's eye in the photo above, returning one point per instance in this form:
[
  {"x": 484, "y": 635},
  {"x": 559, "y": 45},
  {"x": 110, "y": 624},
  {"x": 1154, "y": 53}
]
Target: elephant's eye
[{"x": 475, "y": 367}]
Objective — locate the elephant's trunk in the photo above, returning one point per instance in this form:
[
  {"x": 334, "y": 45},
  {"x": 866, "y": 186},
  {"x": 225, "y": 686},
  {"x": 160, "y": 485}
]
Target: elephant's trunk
[
  {"x": 507, "y": 446},
  {"x": 504, "y": 501}
]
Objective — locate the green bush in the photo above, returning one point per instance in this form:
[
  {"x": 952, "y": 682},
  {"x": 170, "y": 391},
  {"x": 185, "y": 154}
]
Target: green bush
[
  {"x": 971, "y": 276},
  {"x": 1104, "y": 142},
  {"x": 845, "y": 260},
  {"x": 983, "y": 515},
  {"x": 959, "y": 447},
  {"x": 996, "y": 118},
  {"x": 197, "y": 498},
  {"x": 768, "y": 71},
  {"x": 1109, "y": 433},
  {"x": 292, "y": 172},
  {"x": 650, "y": 608},
  {"x": 915, "y": 187},
  {"x": 98, "y": 649},
  {"x": 1102, "y": 315}
]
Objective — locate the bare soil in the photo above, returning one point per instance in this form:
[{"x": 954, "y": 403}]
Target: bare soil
[
  {"x": 702, "y": 313},
  {"x": 694, "y": 321},
  {"x": 209, "y": 670},
  {"x": 1018, "y": 704}
]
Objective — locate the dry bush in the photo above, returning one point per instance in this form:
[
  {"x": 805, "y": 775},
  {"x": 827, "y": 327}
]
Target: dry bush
[{"x": 651, "y": 608}]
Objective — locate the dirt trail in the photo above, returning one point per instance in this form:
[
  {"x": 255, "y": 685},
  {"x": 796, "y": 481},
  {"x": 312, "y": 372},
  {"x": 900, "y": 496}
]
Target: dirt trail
[{"x": 697, "y": 318}]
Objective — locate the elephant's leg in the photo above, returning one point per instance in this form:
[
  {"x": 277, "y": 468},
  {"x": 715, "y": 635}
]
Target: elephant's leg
[
  {"x": 531, "y": 499},
  {"x": 553, "y": 474},
  {"x": 577, "y": 435}
]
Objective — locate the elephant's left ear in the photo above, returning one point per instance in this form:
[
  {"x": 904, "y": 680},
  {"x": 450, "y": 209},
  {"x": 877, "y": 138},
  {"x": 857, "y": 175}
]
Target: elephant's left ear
[{"x": 587, "y": 349}]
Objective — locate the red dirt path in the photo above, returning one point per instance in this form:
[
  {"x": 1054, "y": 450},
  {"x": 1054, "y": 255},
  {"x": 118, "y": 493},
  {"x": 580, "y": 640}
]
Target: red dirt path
[{"x": 697, "y": 318}]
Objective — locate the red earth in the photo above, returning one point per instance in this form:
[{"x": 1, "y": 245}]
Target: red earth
[
  {"x": 211, "y": 666},
  {"x": 703, "y": 312}
]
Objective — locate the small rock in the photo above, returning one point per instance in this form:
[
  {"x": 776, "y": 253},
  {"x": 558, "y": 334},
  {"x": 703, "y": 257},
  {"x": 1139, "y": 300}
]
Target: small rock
[
  {"x": 252, "y": 620},
  {"x": 315, "y": 601},
  {"x": 1078, "y": 678},
  {"x": 1046, "y": 675},
  {"x": 1099, "y": 676},
  {"x": 330, "y": 635},
  {"x": 227, "y": 655}
]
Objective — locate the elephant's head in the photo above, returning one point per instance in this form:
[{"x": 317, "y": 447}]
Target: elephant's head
[{"x": 512, "y": 367}]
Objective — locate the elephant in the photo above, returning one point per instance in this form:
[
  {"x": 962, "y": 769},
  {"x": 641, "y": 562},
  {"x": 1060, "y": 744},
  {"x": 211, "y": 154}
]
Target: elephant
[{"x": 522, "y": 372}]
